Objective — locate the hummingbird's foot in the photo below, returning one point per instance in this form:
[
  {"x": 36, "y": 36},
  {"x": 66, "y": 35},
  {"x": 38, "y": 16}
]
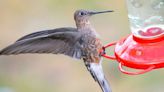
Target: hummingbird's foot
[{"x": 102, "y": 52}]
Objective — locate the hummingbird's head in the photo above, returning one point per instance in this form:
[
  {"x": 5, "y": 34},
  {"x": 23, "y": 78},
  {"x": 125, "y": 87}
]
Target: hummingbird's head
[
  {"x": 82, "y": 16},
  {"x": 85, "y": 14}
]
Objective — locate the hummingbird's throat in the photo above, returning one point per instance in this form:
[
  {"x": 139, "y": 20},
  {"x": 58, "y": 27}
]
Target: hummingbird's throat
[{"x": 83, "y": 24}]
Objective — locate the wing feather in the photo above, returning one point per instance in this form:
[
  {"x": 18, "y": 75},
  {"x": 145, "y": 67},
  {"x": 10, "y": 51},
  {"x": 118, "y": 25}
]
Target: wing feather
[{"x": 56, "y": 41}]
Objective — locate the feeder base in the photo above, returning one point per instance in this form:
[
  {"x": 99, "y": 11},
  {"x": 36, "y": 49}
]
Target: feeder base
[{"x": 134, "y": 53}]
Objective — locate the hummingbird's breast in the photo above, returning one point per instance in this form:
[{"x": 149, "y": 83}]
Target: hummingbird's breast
[{"x": 92, "y": 46}]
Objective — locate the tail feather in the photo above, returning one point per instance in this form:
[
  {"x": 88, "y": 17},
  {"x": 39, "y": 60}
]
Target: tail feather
[{"x": 97, "y": 73}]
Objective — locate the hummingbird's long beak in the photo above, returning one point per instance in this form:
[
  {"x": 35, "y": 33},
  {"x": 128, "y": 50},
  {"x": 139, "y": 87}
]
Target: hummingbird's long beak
[{"x": 93, "y": 13}]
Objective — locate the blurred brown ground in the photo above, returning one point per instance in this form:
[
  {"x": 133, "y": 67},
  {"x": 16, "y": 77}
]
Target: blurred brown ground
[{"x": 51, "y": 73}]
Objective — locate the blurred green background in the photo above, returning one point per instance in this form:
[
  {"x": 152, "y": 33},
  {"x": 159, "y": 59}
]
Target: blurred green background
[{"x": 51, "y": 73}]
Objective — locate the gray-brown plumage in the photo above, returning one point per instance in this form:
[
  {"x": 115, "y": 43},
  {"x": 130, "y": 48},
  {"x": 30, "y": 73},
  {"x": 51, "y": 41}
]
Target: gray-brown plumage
[{"x": 82, "y": 43}]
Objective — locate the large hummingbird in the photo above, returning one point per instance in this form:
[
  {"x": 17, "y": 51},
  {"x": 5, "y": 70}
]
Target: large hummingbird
[{"x": 82, "y": 42}]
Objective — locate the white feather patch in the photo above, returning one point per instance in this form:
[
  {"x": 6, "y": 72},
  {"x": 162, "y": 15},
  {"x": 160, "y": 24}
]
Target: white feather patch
[{"x": 97, "y": 69}]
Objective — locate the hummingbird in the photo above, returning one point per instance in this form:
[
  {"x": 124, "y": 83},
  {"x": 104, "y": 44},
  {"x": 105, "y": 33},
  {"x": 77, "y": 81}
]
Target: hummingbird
[{"x": 82, "y": 42}]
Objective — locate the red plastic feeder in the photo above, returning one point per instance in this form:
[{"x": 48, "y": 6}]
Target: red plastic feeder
[
  {"x": 140, "y": 53},
  {"x": 144, "y": 48}
]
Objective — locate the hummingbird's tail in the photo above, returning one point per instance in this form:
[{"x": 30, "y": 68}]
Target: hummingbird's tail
[{"x": 97, "y": 73}]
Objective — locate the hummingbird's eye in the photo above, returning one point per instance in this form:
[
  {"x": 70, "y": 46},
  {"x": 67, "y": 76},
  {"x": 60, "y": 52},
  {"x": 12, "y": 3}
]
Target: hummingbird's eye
[{"x": 82, "y": 13}]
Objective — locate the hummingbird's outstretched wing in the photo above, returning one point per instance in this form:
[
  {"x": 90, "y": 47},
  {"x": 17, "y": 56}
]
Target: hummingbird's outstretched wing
[{"x": 56, "y": 41}]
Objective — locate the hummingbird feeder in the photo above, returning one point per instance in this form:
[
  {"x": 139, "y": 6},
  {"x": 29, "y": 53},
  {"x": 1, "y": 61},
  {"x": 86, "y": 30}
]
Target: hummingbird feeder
[{"x": 144, "y": 48}]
